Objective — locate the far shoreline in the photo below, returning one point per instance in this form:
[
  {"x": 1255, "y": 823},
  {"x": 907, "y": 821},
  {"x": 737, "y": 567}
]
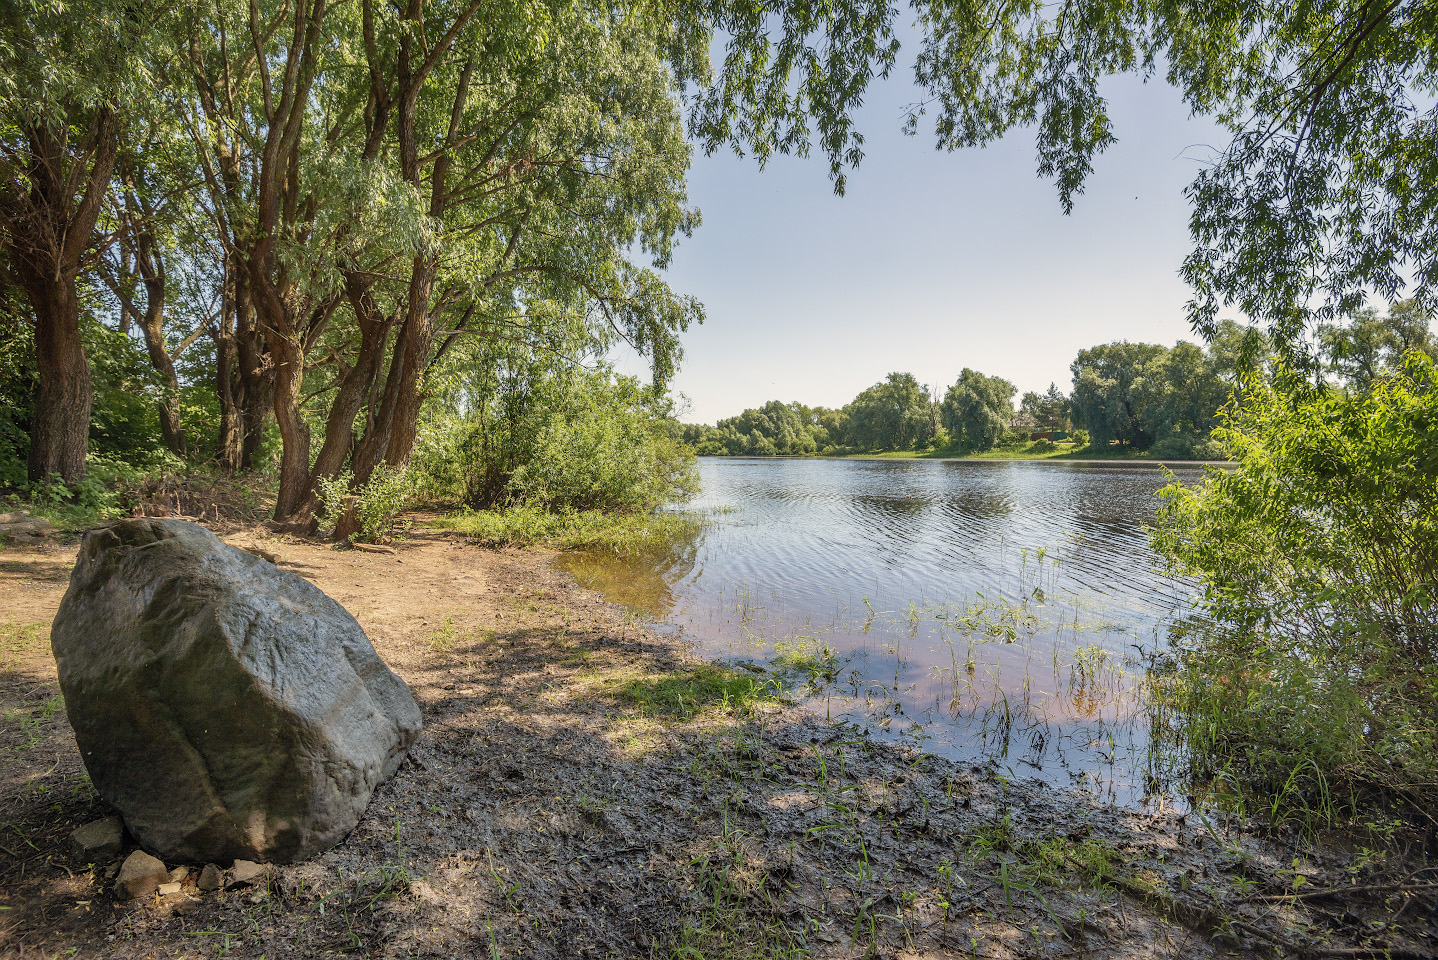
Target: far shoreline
[{"x": 1094, "y": 461}]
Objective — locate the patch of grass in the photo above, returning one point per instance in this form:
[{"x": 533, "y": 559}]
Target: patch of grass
[
  {"x": 818, "y": 662},
  {"x": 523, "y": 525},
  {"x": 740, "y": 914},
  {"x": 685, "y": 693},
  {"x": 22, "y": 639},
  {"x": 441, "y": 641},
  {"x": 1053, "y": 861},
  {"x": 29, "y": 721}
]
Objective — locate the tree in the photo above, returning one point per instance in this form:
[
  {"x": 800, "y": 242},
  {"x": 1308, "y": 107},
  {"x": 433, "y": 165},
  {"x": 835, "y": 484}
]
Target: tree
[
  {"x": 891, "y": 415},
  {"x": 1104, "y": 403},
  {"x": 1370, "y": 345},
  {"x": 1142, "y": 394},
  {"x": 977, "y": 409},
  {"x": 1048, "y": 410},
  {"x": 60, "y": 99},
  {"x": 1322, "y": 197},
  {"x": 1315, "y": 672},
  {"x": 391, "y": 182}
]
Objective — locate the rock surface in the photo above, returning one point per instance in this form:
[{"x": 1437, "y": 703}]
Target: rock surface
[
  {"x": 210, "y": 878},
  {"x": 228, "y": 709},
  {"x": 21, "y": 527},
  {"x": 100, "y": 841},
  {"x": 245, "y": 872},
  {"x": 140, "y": 874}
]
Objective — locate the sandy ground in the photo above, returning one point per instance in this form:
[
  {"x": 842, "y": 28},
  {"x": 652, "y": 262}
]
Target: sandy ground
[{"x": 557, "y": 805}]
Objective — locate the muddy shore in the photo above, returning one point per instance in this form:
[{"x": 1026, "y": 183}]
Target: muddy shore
[{"x": 583, "y": 787}]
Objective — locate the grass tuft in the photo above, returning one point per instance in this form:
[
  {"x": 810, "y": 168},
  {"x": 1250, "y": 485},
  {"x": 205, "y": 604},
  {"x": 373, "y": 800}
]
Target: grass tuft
[
  {"x": 692, "y": 690},
  {"x": 524, "y": 525}
]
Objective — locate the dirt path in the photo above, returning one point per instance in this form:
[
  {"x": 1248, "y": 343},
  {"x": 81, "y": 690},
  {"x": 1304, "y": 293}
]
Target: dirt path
[{"x": 584, "y": 789}]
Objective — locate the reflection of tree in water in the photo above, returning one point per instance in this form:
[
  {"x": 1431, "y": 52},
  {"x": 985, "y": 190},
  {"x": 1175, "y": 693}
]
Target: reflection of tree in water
[
  {"x": 985, "y": 504},
  {"x": 891, "y": 525},
  {"x": 643, "y": 582}
]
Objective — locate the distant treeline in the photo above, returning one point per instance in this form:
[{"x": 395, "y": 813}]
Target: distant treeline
[{"x": 1141, "y": 396}]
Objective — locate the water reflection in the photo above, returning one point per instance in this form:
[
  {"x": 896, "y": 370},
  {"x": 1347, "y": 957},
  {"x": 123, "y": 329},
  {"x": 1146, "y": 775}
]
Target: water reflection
[{"x": 998, "y": 613}]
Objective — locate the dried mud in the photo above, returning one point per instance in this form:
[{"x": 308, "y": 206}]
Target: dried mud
[{"x": 555, "y": 807}]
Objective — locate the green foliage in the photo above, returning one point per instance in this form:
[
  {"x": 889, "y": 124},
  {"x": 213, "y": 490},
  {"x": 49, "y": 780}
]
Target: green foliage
[
  {"x": 376, "y": 504},
  {"x": 1139, "y": 394},
  {"x": 1370, "y": 345},
  {"x": 1318, "y": 677},
  {"x": 894, "y": 414},
  {"x": 124, "y": 424},
  {"x": 1046, "y": 411},
  {"x": 104, "y": 493},
  {"x": 775, "y": 429},
  {"x": 17, "y": 374},
  {"x": 524, "y": 525},
  {"x": 977, "y": 409},
  {"x": 560, "y": 437}
]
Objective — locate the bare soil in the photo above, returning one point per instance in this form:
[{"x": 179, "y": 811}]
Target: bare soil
[{"x": 562, "y": 802}]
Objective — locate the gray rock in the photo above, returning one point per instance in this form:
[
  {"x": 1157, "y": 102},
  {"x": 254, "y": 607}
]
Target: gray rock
[
  {"x": 168, "y": 889},
  {"x": 15, "y": 516},
  {"x": 210, "y": 878},
  {"x": 228, "y": 709},
  {"x": 140, "y": 874},
  {"x": 246, "y": 872},
  {"x": 99, "y": 841},
  {"x": 179, "y": 874}
]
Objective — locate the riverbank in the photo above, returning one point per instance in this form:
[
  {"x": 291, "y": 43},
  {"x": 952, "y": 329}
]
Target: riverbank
[
  {"x": 584, "y": 788},
  {"x": 1062, "y": 453}
]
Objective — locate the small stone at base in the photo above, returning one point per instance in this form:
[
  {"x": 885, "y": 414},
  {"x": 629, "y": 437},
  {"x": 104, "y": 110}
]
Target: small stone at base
[
  {"x": 139, "y": 875},
  {"x": 210, "y": 878},
  {"x": 246, "y": 871},
  {"x": 169, "y": 889},
  {"x": 99, "y": 841}
]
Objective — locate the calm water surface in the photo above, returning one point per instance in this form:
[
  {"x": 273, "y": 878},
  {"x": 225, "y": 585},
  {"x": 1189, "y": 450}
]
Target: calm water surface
[{"x": 998, "y": 613}]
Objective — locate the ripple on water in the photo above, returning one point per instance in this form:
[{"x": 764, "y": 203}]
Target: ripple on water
[{"x": 994, "y": 612}]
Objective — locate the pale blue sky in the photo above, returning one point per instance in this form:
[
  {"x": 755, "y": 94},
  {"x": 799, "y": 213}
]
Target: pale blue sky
[{"x": 933, "y": 261}]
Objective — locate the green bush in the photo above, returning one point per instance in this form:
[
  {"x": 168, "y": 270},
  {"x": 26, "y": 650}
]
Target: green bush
[
  {"x": 376, "y": 504},
  {"x": 1175, "y": 446},
  {"x": 1315, "y": 686},
  {"x": 567, "y": 439}
]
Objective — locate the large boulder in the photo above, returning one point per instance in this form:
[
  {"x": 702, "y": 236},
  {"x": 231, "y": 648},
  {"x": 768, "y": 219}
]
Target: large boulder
[{"x": 228, "y": 709}]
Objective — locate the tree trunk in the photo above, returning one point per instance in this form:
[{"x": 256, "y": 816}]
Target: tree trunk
[
  {"x": 49, "y": 218},
  {"x": 60, "y": 430},
  {"x": 355, "y": 383}
]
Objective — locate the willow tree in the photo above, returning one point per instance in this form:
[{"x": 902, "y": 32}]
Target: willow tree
[
  {"x": 389, "y": 179},
  {"x": 1323, "y": 196},
  {"x": 62, "y": 81}
]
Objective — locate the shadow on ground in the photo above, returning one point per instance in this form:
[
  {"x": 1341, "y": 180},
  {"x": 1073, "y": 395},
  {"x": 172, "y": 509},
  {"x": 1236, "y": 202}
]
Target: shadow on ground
[{"x": 582, "y": 789}]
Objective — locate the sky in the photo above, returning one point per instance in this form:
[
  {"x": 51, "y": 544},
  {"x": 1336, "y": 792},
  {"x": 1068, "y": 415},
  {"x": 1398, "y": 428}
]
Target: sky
[{"x": 932, "y": 261}]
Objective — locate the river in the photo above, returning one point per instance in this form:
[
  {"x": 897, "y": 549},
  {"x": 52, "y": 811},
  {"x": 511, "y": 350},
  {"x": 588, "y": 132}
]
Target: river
[{"x": 1002, "y": 613}]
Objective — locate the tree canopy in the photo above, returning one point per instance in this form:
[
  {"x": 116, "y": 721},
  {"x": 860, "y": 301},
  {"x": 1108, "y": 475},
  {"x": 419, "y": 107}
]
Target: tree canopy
[{"x": 1321, "y": 198}]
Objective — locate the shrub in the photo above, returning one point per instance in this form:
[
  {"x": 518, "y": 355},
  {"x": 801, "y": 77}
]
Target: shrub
[
  {"x": 1080, "y": 438},
  {"x": 371, "y": 508},
  {"x": 569, "y": 439},
  {"x": 1316, "y": 682},
  {"x": 1175, "y": 446}
]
